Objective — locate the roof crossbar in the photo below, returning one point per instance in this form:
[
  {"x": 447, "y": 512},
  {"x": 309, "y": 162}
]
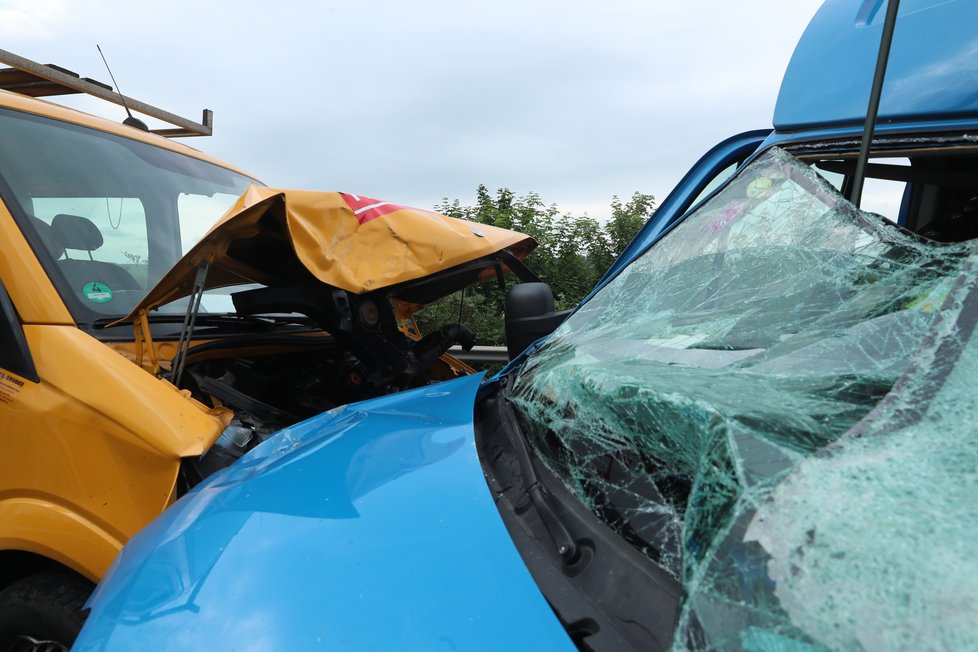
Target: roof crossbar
[{"x": 39, "y": 80}]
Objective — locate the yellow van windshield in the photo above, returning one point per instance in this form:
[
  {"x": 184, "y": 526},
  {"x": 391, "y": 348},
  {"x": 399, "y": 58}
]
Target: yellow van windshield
[{"x": 107, "y": 216}]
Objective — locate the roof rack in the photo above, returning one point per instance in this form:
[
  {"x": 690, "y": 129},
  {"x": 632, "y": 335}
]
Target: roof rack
[{"x": 39, "y": 80}]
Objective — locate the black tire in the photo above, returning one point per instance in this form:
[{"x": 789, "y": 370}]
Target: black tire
[{"x": 42, "y": 612}]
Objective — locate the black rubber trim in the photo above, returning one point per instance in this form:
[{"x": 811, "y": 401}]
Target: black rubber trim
[
  {"x": 15, "y": 355},
  {"x": 609, "y": 596}
]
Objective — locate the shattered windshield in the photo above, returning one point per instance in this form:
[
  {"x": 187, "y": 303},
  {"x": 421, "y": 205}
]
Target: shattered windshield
[{"x": 774, "y": 404}]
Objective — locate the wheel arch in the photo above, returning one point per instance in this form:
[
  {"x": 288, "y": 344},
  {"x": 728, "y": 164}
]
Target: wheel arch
[
  {"x": 15, "y": 565},
  {"x": 39, "y": 533}
]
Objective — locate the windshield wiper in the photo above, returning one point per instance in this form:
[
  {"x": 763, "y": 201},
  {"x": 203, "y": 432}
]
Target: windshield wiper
[
  {"x": 215, "y": 319},
  {"x": 537, "y": 492}
]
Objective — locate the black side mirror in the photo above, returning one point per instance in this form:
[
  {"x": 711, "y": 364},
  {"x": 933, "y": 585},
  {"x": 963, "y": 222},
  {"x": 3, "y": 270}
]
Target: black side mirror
[
  {"x": 14, "y": 354},
  {"x": 530, "y": 315}
]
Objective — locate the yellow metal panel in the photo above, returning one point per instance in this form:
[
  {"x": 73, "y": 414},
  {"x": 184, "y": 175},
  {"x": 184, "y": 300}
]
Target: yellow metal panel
[
  {"x": 337, "y": 243},
  {"x": 48, "y": 529},
  {"x": 90, "y": 455},
  {"x": 154, "y": 412},
  {"x": 30, "y": 289}
]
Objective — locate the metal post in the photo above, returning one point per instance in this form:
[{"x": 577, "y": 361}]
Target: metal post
[{"x": 874, "y": 101}]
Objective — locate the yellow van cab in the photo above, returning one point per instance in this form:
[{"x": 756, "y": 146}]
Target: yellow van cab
[{"x": 142, "y": 347}]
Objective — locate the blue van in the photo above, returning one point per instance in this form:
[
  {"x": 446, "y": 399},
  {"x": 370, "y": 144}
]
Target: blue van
[{"x": 759, "y": 432}]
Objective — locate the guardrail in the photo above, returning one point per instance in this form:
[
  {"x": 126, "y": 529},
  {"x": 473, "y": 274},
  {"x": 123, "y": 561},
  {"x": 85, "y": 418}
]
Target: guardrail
[{"x": 481, "y": 355}]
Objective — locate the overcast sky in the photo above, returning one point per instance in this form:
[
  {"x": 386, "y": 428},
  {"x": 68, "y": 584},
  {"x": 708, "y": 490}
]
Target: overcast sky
[{"x": 415, "y": 101}]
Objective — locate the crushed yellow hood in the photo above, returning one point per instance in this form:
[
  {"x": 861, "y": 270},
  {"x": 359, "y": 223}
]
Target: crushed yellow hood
[{"x": 347, "y": 241}]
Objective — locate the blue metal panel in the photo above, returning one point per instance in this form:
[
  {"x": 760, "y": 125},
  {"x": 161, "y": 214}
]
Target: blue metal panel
[
  {"x": 932, "y": 71},
  {"x": 847, "y": 138},
  {"x": 718, "y": 158},
  {"x": 368, "y": 527}
]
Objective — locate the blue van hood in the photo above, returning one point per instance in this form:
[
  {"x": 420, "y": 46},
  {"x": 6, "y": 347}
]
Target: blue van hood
[
  {"x": 367, "y": 527},
  {"x": 932, "y": 71}
]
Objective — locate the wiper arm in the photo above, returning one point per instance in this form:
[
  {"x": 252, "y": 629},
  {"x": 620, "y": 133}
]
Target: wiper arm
[
  {"x": 229, "y": 318},
  {"x": 537, "y": 492}
]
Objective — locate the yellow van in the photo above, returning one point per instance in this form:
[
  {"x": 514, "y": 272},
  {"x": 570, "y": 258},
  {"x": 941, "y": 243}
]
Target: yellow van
[{"x": 143, "y": 348}]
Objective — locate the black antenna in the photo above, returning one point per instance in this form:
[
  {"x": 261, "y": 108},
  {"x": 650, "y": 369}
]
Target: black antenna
[
  {"x": 889, "y": 24},
  {"x": 131, "y": 121}
]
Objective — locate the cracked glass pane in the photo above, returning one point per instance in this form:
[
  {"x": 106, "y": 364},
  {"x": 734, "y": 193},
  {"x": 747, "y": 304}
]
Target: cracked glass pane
[{"x": 775, "y": 404}]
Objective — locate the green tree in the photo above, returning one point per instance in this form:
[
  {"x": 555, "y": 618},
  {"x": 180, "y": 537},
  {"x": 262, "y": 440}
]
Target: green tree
[
  {"x": 627, "y": 219},
  {"x": 573, "y": 253}
]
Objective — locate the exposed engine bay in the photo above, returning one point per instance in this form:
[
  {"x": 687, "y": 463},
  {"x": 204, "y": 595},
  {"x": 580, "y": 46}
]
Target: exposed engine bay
[
  {"x": 324, "y": 347},
  {"x": 322, "y": 287}
]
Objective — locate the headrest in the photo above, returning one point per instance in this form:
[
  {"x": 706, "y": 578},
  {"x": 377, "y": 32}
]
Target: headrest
[
  {"x": 51, "y": 243},
  {"x": 75, "y": 232}
]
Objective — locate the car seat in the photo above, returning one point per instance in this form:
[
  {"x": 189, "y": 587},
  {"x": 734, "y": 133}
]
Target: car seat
[
  {"x": 80, "y": 233},
  {"x": 43, "y": 230}
]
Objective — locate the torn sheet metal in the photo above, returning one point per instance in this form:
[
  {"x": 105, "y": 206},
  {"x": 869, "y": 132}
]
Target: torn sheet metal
[{"x": 347, "y": 241}]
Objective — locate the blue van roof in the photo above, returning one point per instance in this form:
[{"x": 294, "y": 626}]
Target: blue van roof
[{"x": 932, "y": 71}]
